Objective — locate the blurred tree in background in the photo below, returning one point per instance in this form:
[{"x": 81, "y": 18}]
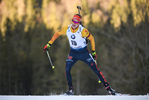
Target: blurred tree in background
[{"x": 120, "y": 29}]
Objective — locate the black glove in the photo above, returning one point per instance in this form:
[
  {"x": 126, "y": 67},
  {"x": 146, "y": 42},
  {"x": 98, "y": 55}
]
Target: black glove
[
  {"x": 46, "y": 47},
  {"x": 94, "y": 55}
]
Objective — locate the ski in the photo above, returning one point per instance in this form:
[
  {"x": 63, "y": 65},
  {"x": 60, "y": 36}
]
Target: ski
[
  {"x": 121, "y": 94},
  {"x": 65, "y": 94}
]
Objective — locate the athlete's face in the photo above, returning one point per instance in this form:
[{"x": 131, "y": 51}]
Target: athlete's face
[{"x": 75, "y": 24}]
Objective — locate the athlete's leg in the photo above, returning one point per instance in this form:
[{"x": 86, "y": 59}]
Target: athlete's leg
[
  {"x": 88, "y": 59},
  {"x": 69, "y": 64}
]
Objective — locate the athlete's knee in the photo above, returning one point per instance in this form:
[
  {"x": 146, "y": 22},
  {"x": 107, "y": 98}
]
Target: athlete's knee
[
  {"x": 95, "y": 69},
  {"x": 68, "y": 67}
]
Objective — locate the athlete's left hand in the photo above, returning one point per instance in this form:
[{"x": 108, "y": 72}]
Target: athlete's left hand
[{"x": 94, "y": 55}]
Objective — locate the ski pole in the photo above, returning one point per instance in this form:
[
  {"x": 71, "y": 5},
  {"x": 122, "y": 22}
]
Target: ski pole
[
  {"x": 79, "y": 8},
  {"x": 99, "y": 79},
  {"x": 50, "y": 59}
]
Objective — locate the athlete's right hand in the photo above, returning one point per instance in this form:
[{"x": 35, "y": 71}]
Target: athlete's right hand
[{"x": 46, "y": 47}]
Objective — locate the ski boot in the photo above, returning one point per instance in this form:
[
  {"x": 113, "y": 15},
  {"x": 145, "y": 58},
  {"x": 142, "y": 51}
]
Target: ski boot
[
  {"x": 110, "y": 90},
  {"x": 69, "y": 92}
]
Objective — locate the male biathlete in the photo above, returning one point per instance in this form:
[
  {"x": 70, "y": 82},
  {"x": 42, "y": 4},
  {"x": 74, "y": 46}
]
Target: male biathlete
[{"x": 78, "y": 37}]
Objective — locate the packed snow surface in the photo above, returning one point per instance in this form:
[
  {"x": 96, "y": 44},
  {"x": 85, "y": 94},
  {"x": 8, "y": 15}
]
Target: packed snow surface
[{"x": 76, "y": 97}]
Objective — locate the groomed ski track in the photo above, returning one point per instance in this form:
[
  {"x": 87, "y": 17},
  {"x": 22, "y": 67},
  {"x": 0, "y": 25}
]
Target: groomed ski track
[{"x": 76, "y": 97}]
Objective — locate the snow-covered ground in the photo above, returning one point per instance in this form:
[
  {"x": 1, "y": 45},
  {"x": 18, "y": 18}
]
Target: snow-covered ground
[{"x": 87, "y": 97}]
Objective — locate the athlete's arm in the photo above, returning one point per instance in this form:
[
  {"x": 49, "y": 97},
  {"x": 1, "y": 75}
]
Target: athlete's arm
[
  {"x": 57, "y": 34},
  {"x": 88, "y": 35}
]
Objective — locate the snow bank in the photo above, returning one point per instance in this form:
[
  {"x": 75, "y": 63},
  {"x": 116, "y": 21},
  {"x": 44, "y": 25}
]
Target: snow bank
[{"x": 60, "y": 97}]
